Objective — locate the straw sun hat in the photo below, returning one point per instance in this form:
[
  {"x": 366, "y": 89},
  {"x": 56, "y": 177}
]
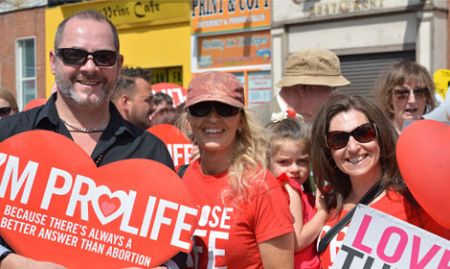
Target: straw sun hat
[{"x": 313, "y": 67}]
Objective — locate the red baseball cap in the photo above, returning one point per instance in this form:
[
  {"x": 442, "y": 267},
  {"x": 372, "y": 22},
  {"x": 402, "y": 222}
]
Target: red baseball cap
[{"x": 216, "y": 86}]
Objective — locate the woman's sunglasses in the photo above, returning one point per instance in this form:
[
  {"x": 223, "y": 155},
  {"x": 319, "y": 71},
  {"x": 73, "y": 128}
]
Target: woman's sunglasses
[
  {"x": 72, "y": 56},
  {"x": 5, "y": 111},
  {"x": 204, "y": 108},
  {"x": 404, "y": 93},
  {"x": 364, "y": 133}
]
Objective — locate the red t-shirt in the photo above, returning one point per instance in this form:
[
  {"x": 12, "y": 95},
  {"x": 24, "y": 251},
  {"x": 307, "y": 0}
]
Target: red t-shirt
[
  {"x": 393, "y": 204},
  {"x": 227, "y": 236},
  {"x": 308, "y": 257}
]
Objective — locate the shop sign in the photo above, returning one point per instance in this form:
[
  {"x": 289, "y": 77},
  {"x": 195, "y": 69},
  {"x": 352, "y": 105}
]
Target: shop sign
[
  {"x": 250, "y": 48},
  {"x": 124, "y": 13},
  {"x": 303, "y": 9},
  {"x": 210, "y": 16}
]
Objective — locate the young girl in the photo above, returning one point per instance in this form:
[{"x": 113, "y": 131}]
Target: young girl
[{"x": 289, "y": 162}]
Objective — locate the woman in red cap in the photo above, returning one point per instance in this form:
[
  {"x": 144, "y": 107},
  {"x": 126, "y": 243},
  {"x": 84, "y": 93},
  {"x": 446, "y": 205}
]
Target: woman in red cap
[{"x": 244, "y": 217}]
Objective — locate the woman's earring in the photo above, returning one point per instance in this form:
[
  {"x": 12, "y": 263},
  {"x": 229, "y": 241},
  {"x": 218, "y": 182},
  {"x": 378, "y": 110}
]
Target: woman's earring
[{"x": 239, "y": 130}]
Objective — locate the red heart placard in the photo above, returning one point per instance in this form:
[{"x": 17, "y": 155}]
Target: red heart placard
[
  {"x": 56, "y": 205},
  {"x": 423, "y": 154},
  {"x": 175, "y": 91},
  {"x": 179, "y": 146}
]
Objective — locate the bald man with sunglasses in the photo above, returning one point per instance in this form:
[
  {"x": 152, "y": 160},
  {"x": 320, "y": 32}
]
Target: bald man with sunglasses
[{"x": 86, "y": 64}]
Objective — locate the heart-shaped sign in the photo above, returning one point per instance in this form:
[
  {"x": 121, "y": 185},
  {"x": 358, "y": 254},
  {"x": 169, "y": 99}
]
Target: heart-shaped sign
[
  {"x": 179, "y": 146},
  {"x": 423, "y": 154},
  {"x": 175, "y": 91},
  {"x": 56, "y": 205}
]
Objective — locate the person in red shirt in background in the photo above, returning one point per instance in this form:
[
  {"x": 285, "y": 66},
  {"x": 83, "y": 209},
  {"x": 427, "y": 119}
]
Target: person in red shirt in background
[
  {"x": 351, "y": 153},
  {"x": 244, "y": 217}
]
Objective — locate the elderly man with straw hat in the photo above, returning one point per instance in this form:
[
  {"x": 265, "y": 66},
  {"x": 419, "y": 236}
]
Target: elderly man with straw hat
[{"x": 310, "y": 76}]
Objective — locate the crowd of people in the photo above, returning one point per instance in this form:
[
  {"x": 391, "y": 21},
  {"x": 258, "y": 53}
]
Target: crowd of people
[{"x": 281, "y": 175}]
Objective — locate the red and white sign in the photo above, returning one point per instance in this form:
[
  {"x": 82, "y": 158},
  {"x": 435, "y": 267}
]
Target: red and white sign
[
  {"x": 56, "y": 205},
  {"x": 175, "y": 91},
  {"x": 377, "y": 240},
  {"x": 179, "y": 146}
]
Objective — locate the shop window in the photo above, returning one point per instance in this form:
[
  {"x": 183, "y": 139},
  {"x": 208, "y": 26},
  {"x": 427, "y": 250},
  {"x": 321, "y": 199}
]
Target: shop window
[
  {"x": 258, "y": 85},
  {"x": 167, "y": 74},
  {"x": 25, "y": 71}
]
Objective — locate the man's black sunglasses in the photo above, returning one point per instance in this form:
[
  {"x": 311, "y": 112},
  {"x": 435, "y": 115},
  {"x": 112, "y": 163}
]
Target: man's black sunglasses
[
  {"x": 4, "y": 111},
  {"x": 364, "y": 133},
  {"x": 204, "y": 108},
  {"x": 71, "y": 56}
]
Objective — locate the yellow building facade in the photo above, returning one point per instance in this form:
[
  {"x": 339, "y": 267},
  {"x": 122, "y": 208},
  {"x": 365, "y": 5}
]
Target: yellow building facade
[{"x": 153, "y": 35}]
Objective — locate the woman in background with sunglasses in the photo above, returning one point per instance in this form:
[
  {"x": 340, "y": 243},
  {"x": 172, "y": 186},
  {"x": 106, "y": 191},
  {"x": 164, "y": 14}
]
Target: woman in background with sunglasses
[
  {"x": 244, "y": 218},
  {"x": 405, "y": 92},
  {"x": 8, "y": 104},
  {"x": 353, "y": 153}
]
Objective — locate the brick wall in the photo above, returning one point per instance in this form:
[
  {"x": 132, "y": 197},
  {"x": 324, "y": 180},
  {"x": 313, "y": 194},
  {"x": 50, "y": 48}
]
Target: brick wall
[
  {"x": 448, "y": 39},
  {"x": 17, "y": 25}
]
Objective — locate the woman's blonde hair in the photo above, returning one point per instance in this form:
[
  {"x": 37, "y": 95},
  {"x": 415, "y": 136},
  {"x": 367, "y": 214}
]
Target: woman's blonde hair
[{"x": 248, "y": 161}]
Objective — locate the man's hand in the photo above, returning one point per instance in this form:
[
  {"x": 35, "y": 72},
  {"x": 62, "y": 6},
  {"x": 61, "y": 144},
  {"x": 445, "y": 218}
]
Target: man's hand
[{"x": 15, "y": 261}]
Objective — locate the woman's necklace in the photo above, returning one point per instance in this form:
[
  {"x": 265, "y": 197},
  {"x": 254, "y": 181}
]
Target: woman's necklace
[{"x": 82, "y": 129}]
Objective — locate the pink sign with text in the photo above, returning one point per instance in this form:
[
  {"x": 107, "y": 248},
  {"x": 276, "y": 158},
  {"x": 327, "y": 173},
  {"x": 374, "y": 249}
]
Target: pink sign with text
[{"x": 377, "y": 240}]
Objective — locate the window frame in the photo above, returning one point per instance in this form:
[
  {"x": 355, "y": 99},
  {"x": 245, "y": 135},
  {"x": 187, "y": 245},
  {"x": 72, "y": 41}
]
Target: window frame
[{"x": 20, "y": 79}]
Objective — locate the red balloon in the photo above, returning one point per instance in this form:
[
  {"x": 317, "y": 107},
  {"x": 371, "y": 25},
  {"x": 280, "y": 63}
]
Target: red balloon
[
  {"x": 34, "y": 103},
  {"x": 423, "y": 154}
]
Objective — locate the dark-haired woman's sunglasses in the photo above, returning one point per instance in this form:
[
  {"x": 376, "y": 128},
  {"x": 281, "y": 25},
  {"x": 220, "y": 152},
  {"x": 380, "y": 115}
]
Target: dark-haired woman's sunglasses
[
  {"x": 364, "y": 133},
  {"x": 71, "y": 56},
  {"x": 204, "y": 108}
]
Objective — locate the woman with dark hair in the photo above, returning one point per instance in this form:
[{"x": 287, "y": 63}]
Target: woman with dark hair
[
  {"x": 8, "y": 104},
  {"x": 353, "y": 153},
  {"x": 405, "y": 92},
  {"x": 244, "y": 217}
]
